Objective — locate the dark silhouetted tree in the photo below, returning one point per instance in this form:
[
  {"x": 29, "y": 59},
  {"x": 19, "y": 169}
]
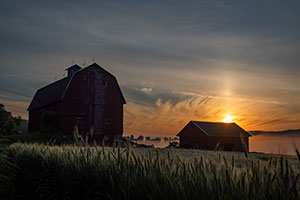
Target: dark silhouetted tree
[{"x": 8, "y": 124}]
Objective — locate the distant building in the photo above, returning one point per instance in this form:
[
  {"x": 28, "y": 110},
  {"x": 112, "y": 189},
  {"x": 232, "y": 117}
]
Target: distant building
[
  {"x": 213, "y": 136},
  {"x": 88, "y": 99}
]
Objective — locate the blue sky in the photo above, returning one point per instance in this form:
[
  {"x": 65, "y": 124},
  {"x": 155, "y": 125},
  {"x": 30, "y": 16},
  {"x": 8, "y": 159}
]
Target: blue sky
[{"x": 175, "y": 60}]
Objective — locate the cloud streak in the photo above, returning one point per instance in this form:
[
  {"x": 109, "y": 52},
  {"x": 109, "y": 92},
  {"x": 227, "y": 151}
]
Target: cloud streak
[
  {"x": 172, "y": 58},
  {"x": 166, "y": 118}
]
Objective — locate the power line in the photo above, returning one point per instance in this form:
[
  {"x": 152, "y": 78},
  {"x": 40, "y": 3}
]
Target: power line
[{"x": 14, "y": 92}]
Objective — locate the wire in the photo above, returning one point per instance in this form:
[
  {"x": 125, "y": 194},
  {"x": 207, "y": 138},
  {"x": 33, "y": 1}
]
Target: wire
[{"x": 17, "y": 93}]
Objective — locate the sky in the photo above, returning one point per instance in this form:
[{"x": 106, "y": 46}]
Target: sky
[{"x": 175, "y": 61}]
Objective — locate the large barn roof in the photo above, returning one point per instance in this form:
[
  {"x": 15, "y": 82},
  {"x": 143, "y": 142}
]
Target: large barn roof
[
  {"x": 54, "y": 92},
  {"x": 49, "y": 94},
  {"x": 220, "y": 129}
]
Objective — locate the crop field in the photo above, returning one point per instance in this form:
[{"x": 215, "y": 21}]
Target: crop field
[{"x": 38, "y": 171}]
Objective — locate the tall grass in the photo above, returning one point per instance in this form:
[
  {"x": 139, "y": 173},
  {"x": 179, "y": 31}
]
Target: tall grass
[{"x": 74, "y": 172}]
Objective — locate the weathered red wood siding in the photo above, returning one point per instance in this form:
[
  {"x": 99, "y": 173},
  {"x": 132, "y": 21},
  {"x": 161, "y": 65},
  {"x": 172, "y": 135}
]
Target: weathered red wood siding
[
  {"x": 35, "y": 116},
  {"x": 93, "y": 100}
]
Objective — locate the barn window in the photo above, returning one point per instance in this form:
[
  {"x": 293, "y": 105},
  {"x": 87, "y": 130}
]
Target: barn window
[
  {"x": 107, "y": 121},
  {"x": 78, "y": 120}
]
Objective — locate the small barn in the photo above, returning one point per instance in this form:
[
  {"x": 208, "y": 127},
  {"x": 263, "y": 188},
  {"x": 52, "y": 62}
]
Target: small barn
[
  {"x": 87, "y": 100},
  {"x": 214, "y": 136}
]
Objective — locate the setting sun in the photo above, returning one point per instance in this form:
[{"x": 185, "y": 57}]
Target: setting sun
[{"x": 227, "y": 119}]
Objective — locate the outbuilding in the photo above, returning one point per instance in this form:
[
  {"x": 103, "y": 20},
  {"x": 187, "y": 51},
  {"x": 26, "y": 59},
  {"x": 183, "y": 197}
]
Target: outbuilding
[
  {"x": 87, "y": 100},
  {"x": 214, "y": 136}
]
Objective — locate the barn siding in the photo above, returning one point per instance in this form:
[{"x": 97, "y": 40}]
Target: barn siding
[
  {"x": 92, "y": 100},
  {"x": 193, "y": 138},
  {"x": 191, "y": 135},
  {"x": 35, "y": 116},
  {"x": 93, "y": 94}
]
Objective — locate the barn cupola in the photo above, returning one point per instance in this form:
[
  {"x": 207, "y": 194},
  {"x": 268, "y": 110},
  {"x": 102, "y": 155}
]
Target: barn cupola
[{"x": 71, "y": 70}]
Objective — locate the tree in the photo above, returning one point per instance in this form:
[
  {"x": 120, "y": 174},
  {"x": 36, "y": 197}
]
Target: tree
[
  {"x": 8, "y": 124},
  {"x": 4, "y": 116},
  {"x": 18, "y": 120},
  {"x": 10, "y": 128}
]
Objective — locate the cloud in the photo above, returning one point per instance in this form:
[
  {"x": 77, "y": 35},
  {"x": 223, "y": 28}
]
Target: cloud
[
  {"x": 158, "y": 102},
  {"x": 17, "y": 108},
  {"x": 166, "y": 118},
  {"x": 146, "y": 90},
  {"x": 170, "y": 57}
]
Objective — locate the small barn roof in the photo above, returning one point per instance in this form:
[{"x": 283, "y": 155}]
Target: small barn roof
[
  {"x": 220, "y": 129},
  {"x": 55, "y": 92}
]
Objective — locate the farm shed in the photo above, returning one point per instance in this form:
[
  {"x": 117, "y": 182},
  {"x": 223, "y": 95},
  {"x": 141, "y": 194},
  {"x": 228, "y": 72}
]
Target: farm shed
[
  {"x": 88, "y": 99},
  {"x": 214, "y": 136}
]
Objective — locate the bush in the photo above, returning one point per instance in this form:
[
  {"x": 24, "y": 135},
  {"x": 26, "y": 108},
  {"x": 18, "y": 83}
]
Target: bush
[
  {"x": 8, "y": 124},
  {"x": 38, "y": 137},
  {"x": 10, "y": 128}
]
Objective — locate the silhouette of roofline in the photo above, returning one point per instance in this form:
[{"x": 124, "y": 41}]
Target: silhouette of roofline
[
  {"x": 73, "y": 66},
  {"x": 196, "y": 123},
  {"x": 68, "y": 84}
]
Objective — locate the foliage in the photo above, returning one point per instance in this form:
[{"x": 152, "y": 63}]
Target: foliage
[
  {"x": 39, "y": 137},
  {"x": 8, "y": 124},
  {"x": 18, "y": 120},
  {"x": 10, "y": 128},
  {"x": 8, "y": 171},
  {"x": 79, "y": 172},
  {"x": 173, "y": 145}
]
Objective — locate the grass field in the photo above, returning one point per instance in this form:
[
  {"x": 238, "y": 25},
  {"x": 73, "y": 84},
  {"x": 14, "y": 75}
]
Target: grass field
[{"x": 35, "y": 171}]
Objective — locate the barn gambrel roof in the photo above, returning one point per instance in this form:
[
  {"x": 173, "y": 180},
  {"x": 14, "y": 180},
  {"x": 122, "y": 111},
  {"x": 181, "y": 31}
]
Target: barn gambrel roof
[
  {"x": 55, "y": 92},
  {"x": 219, "y": 129},
  {"x": 49, "y": 94}
]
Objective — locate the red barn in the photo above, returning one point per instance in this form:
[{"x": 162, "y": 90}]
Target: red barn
[
  {"x": 87, "y": 99},
  {"x": 214, "y": 136}
]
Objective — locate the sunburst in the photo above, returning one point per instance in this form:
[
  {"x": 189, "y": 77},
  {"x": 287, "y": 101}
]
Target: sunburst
[{"x": 228, "y": 119}]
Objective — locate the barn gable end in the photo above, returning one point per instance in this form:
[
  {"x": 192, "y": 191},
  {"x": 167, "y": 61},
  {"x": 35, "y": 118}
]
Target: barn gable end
[{"x": 96, "y": 67}]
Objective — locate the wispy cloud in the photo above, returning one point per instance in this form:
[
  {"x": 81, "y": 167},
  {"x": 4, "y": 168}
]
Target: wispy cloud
[
  {"x": 146, "y": 90},
  {"x": 174, "y": 60},
  {"x": 168, "y": 118}
]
